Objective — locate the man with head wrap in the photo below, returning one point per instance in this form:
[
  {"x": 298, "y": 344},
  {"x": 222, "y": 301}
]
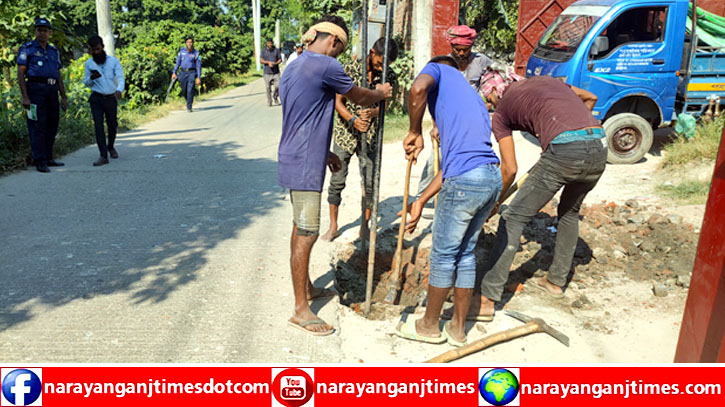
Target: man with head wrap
[
  {"x": 573, "y": 158},
  {"x": 307, "y": 90}
]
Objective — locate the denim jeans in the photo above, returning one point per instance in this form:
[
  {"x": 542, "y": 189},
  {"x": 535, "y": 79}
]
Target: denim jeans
[
  {"x": 576, "y": 167},
  {"x": 464, "y": 203}
]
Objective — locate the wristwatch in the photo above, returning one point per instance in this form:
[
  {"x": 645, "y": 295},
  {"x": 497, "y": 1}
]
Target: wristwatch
[{"x": 351, "y": 122}]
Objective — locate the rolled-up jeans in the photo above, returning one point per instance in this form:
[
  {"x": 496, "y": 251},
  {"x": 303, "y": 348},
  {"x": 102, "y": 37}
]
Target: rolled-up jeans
[
  {"x": 576, "y": 167},
  {"x": 464, "y": 203}
]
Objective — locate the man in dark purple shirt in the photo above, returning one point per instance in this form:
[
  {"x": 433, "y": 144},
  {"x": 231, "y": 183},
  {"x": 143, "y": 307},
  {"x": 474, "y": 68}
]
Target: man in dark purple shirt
[
  {"x": 308, "y": 88},
  {"x": 271, "y": 58},
  {"x": 573, "y": 158}
]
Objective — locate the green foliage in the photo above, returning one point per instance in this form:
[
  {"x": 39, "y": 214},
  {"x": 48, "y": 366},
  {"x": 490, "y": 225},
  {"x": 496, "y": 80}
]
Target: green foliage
[
  {"x": 689, "y": 192},
  {"x": 487, "y": 19},
  {"x": 702, "y": 147},
  {"x": 404, "y": 68}
]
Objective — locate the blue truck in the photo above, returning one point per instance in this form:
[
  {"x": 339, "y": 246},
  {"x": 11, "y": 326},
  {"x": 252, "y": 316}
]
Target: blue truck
[{"x": 639, "y": 58}]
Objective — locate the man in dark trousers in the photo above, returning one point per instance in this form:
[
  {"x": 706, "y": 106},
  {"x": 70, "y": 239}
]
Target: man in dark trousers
[
  {"x": 308, "y": 88},
  {"x": 40, "y": 82},
  {"x": 573, "y": 158},
  {"x": 104, "y": 75},
  {"x": 271, "y": 58},
  {"x": 188, "y": 63}
]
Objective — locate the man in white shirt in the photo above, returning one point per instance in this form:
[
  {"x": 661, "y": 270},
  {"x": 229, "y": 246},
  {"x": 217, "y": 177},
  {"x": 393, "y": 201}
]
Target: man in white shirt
[
  {"x": 297, "y": 52},
  {"x": 103, "y": 74}
]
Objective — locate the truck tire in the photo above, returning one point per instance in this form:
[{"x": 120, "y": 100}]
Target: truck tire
[{"x": 629, "y": 137}]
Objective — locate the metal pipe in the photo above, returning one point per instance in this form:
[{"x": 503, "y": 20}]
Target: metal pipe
[
  {"x": 363, "y": 137},
  {"x": 376, "y": 173}
]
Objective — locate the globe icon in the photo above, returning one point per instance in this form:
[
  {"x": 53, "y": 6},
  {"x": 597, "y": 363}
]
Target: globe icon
[{"x": 498, "y": 387}]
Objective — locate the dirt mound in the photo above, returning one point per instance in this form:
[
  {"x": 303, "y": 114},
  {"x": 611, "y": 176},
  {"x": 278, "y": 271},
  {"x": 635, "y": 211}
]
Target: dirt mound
[{"x": 641, "y": 240}]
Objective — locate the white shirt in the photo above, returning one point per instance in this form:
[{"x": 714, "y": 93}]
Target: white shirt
[{"x": 111, "y": 79}]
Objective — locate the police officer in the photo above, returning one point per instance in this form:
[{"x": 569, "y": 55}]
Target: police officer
[
  {"x": 188, "y": 62},
  {"x": 40, "y": 81}
]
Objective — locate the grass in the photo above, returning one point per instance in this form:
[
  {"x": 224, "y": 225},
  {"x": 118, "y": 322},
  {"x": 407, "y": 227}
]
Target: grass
[
  {"x": 396, "y": 127},
  {"x": 687, "y": 192},
  {"x": 702, "y": 147}
]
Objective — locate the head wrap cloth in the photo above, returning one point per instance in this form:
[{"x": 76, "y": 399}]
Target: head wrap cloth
[
  {"x": 498, "y": 77},
  {"x": 325, "y": 27},
  {"x": 461, "y": 35}
]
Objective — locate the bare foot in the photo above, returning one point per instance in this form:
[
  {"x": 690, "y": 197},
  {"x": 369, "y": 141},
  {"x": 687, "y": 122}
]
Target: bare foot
[
  {"x": 457, "y": 334},
  {"x": 425, "y": 330},
  {"x": 543, "y": 284},
  {"x": 480, "y": 309},
  {"x": 303, "y": 320},
  {"x": 331, "y": 234}
]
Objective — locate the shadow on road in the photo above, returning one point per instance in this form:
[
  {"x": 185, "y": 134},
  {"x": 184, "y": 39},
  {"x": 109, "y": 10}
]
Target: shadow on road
[{"x": 140, "y": 227}]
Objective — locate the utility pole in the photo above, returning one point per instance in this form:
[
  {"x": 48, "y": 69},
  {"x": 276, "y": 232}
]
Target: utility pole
[
  {"x": 257, "y": 28},
  {"x": 105, "y": 26},
  {"x": 276, "y": 34}
]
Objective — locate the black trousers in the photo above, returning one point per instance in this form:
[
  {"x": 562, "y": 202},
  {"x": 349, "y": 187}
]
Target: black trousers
[
  {"x": 104, "y": 105},
  {"x": 42, "y": 131}
]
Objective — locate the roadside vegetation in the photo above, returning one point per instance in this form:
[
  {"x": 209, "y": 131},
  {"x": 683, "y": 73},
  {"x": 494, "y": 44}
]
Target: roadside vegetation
[{"x": 683, "y": 154}]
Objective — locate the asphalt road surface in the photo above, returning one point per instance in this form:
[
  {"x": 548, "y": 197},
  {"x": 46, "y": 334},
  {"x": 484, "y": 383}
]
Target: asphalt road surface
[{"x": 178, "y": 251}]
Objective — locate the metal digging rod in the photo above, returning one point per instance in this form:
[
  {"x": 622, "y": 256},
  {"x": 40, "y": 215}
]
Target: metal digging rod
[
  {"x": 376, "y": 174},
  {"x": 364, "y": 137}
]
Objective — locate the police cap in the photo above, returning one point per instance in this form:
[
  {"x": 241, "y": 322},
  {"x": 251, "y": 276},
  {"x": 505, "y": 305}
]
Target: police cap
[{"x": 42, "y": 22}]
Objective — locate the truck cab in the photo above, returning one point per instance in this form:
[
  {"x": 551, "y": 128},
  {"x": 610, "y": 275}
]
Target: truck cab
[{"x": 632, "y": 55}]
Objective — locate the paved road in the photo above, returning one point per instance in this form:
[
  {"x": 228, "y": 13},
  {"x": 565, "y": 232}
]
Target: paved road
[{"x": 176, "y": 259}]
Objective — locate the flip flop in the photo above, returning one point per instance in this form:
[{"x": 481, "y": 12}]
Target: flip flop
[
  {"x": 536, "y": 283},
  {"x": 476, "y": 318},
  {"x": 301, "y": 326},
  {"x": 450, "y": 339},
  {"x": 408, "y": 331},
  {"x": 324, "y": 293}
]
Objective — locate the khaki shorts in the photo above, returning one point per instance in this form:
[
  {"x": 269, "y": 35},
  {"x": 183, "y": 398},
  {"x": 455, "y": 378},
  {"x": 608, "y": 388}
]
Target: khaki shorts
[{"x": 306, "y": 212}]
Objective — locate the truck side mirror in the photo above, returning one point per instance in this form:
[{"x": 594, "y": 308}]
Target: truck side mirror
[{"x": 601, "y": 45}]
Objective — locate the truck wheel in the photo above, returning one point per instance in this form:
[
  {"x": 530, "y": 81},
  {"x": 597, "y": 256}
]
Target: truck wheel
[{"x": 629, "y": 137}]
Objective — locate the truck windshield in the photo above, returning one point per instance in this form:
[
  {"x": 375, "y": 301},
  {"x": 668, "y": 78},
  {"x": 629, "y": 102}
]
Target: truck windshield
[{"x": 563, "y": 37}]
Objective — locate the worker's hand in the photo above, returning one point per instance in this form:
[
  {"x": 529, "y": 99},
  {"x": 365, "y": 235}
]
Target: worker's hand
[
  {"x": 361, "y": 125},
  {"x": 118, "y": 95},
  {"x": 435, "y": 134},
  {"x": 413, "y": 145},
  {"x": 26, "y": 102},
  {"x": 333, "y": 162},
  {"x": 414, "y": 209},
  {"x": 198, "y": 81},
  {"x": 64, "y": 103},
  {"x": 173, "y": 76},
  {"x": 368, "y": 114},
  {"x": 386, "y": 88},
  {"x": 494, "y": 211}
]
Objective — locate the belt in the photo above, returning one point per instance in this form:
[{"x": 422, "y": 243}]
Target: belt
[
  {"x": 591, "y": 133},
  {"x": 112, "y": 95},
  {"x": 187, "y": 70},
  {"x": 40, "y": 79}
]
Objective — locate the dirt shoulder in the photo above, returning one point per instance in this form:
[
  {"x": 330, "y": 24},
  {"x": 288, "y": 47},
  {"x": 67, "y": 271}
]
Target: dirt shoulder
[{"x": 610, "y": 312}]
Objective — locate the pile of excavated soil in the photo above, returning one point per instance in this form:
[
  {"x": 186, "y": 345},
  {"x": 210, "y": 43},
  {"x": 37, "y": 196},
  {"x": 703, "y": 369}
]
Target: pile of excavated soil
[{"x": 641, "y": 240}]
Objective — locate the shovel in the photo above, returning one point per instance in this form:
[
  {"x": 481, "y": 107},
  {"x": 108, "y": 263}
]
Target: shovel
[
  {"x": 398, "y": 258},
  {"x": 436, "y": 164},
  {"x": 171, "y": 85}
]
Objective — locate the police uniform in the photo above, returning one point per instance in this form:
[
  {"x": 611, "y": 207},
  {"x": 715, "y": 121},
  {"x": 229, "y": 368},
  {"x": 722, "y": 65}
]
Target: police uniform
[
  {"x": 189, "y": 65},
  {"x": 42, "y": 79}
]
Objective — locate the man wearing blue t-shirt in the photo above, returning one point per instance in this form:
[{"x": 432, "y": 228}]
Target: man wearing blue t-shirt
[
  {"x": 469, "y": 183},
  {"x": 307, "y": 89}
]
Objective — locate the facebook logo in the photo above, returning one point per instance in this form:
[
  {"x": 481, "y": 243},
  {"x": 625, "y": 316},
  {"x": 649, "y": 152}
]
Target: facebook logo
[{"x": 21, "y": 387}]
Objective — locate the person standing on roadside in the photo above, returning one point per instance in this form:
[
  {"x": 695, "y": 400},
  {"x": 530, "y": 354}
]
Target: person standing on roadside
[
  {"x": 104, "y": 75},
  {"x": 271, "y": 58},
  {"x": 297, "y": 52},
  {"x": 40, "y": 82},
  {"x": 188, "y": 63},
  {"x": 308, "y": 88}
]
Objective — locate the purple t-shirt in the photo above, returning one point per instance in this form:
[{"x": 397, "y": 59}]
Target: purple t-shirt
[
  {"x": 462, "y": 119},
  {"x": 307, "y": 89}
]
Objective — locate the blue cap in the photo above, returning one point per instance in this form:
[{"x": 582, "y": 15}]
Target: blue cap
[{"x": 42, "y": 22}]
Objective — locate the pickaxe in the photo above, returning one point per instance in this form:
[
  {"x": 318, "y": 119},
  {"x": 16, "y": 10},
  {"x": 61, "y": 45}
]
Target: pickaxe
[{"x": 532, "y": 325}]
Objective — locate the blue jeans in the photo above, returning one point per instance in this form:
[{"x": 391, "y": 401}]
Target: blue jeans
[{"x": 464, "y": 203}]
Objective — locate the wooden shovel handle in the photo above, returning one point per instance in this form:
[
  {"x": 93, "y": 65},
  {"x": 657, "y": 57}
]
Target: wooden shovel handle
[
  {"x": 436, "y": 164},
  {"x": 403, "y": 220},
  {"x": 485, "y": 342}
]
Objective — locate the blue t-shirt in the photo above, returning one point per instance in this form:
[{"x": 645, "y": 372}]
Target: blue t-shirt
[
  {"x": 462, "y": 119},
  {"x": 307, "y": 90}
]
